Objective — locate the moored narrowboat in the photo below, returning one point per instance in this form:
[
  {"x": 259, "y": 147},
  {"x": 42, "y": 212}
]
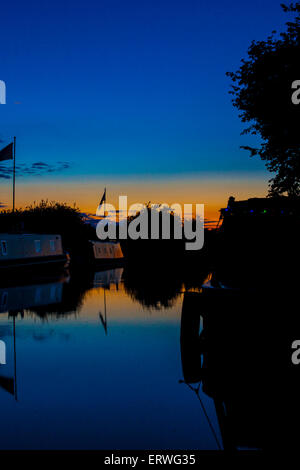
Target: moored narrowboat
[
  {"x": 106, "y": 252},
  {"x": 31, "y": 250},
  {"x": 258, "y": 240}
]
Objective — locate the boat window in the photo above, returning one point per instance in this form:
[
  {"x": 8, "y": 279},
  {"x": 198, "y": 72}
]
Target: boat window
[
  {"x": 4, "y": 247},
  {"x": 99, "y": 250},
  {"x": 110, "y": 251},
  {"x": 37, "y": 246},
  {"x": 52, "y": 245}
]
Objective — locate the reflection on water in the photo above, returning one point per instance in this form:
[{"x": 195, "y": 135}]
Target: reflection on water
[
  {"x": 95, "y": 368},
  {"x": 108, "y": 277},
  {"x": 23, "y": 297},
  {"x": 236, "y": 348},
  {"x": 121, "y": 360}
]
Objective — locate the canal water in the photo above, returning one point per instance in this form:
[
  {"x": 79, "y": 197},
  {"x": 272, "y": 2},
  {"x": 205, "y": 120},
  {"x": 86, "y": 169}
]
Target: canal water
[{"x": 95, "y": 362}]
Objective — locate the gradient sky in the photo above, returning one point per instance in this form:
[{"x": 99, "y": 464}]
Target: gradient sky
[{"x": 133, "y": 95}]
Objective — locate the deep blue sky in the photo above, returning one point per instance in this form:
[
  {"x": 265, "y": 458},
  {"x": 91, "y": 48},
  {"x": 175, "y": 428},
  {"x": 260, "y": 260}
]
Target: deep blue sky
[{"x": 128, "y": 87}]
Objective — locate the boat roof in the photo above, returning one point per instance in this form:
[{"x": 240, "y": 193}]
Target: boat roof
[
  {"x": 264, "y": 204},
  {"x": 111, "y": 242}
]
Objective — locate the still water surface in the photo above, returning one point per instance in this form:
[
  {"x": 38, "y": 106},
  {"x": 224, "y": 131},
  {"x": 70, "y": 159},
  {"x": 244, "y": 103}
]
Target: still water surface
[{"x": 96, "y": 368}]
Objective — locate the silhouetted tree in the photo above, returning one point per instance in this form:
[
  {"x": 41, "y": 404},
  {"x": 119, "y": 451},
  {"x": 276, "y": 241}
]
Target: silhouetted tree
[{"x": 262, "y": 92}]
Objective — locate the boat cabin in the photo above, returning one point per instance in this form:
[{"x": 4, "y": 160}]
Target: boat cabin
[
  {"x": 107, "y": 251},
  {"x": 20, "y": 249}
]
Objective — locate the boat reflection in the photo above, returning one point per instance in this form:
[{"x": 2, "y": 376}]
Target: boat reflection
[
  {"x": 108, "y": 277},
  {"x": 8, "y": 382},
  {"x": 235, "y": 360},
  {"x": 26, "y": 297},
  {"x": 236, "y": 348},
  {"x": 17, "y": 299}
]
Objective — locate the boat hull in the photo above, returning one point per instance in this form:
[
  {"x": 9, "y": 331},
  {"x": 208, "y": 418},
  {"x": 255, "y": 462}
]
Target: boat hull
[{"x": 34, "y": 264}]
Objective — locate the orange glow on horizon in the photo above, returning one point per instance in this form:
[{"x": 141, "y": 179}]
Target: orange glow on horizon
[{"x": 211, "y": 190}]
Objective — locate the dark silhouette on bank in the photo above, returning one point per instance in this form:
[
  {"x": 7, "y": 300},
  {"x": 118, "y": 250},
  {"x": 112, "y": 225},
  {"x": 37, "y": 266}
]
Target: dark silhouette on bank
[{"x": 242, "y": 360}]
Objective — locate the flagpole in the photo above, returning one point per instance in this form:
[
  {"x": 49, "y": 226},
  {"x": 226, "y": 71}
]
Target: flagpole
[
  {"x": 15, "y": 359},
  {"x": 105, "y": 312},
  {"x": 14, "y": 176}
]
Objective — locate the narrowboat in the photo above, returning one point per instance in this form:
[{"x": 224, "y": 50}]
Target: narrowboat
[
  {"x": 30, "y": 251},
  {"x": 258, "y": 239},
  {"x": 106, "y": 253}
]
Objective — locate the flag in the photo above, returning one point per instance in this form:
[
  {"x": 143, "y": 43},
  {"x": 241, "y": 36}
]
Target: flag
[
  {"x": 7, "y": 153},
  {"x": 103, "y": 199},
  {"x": 8, "y": 384}
]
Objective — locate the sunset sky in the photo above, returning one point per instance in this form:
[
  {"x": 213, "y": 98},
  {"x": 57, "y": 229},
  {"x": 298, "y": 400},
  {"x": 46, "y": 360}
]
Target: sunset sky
[{"x": 131, "y": 95}]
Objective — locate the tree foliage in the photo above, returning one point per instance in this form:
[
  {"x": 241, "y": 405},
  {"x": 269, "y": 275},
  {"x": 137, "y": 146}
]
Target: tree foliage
[
  {"x": 262, "y": 91},
  {"x": 50, "y": 217}
]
